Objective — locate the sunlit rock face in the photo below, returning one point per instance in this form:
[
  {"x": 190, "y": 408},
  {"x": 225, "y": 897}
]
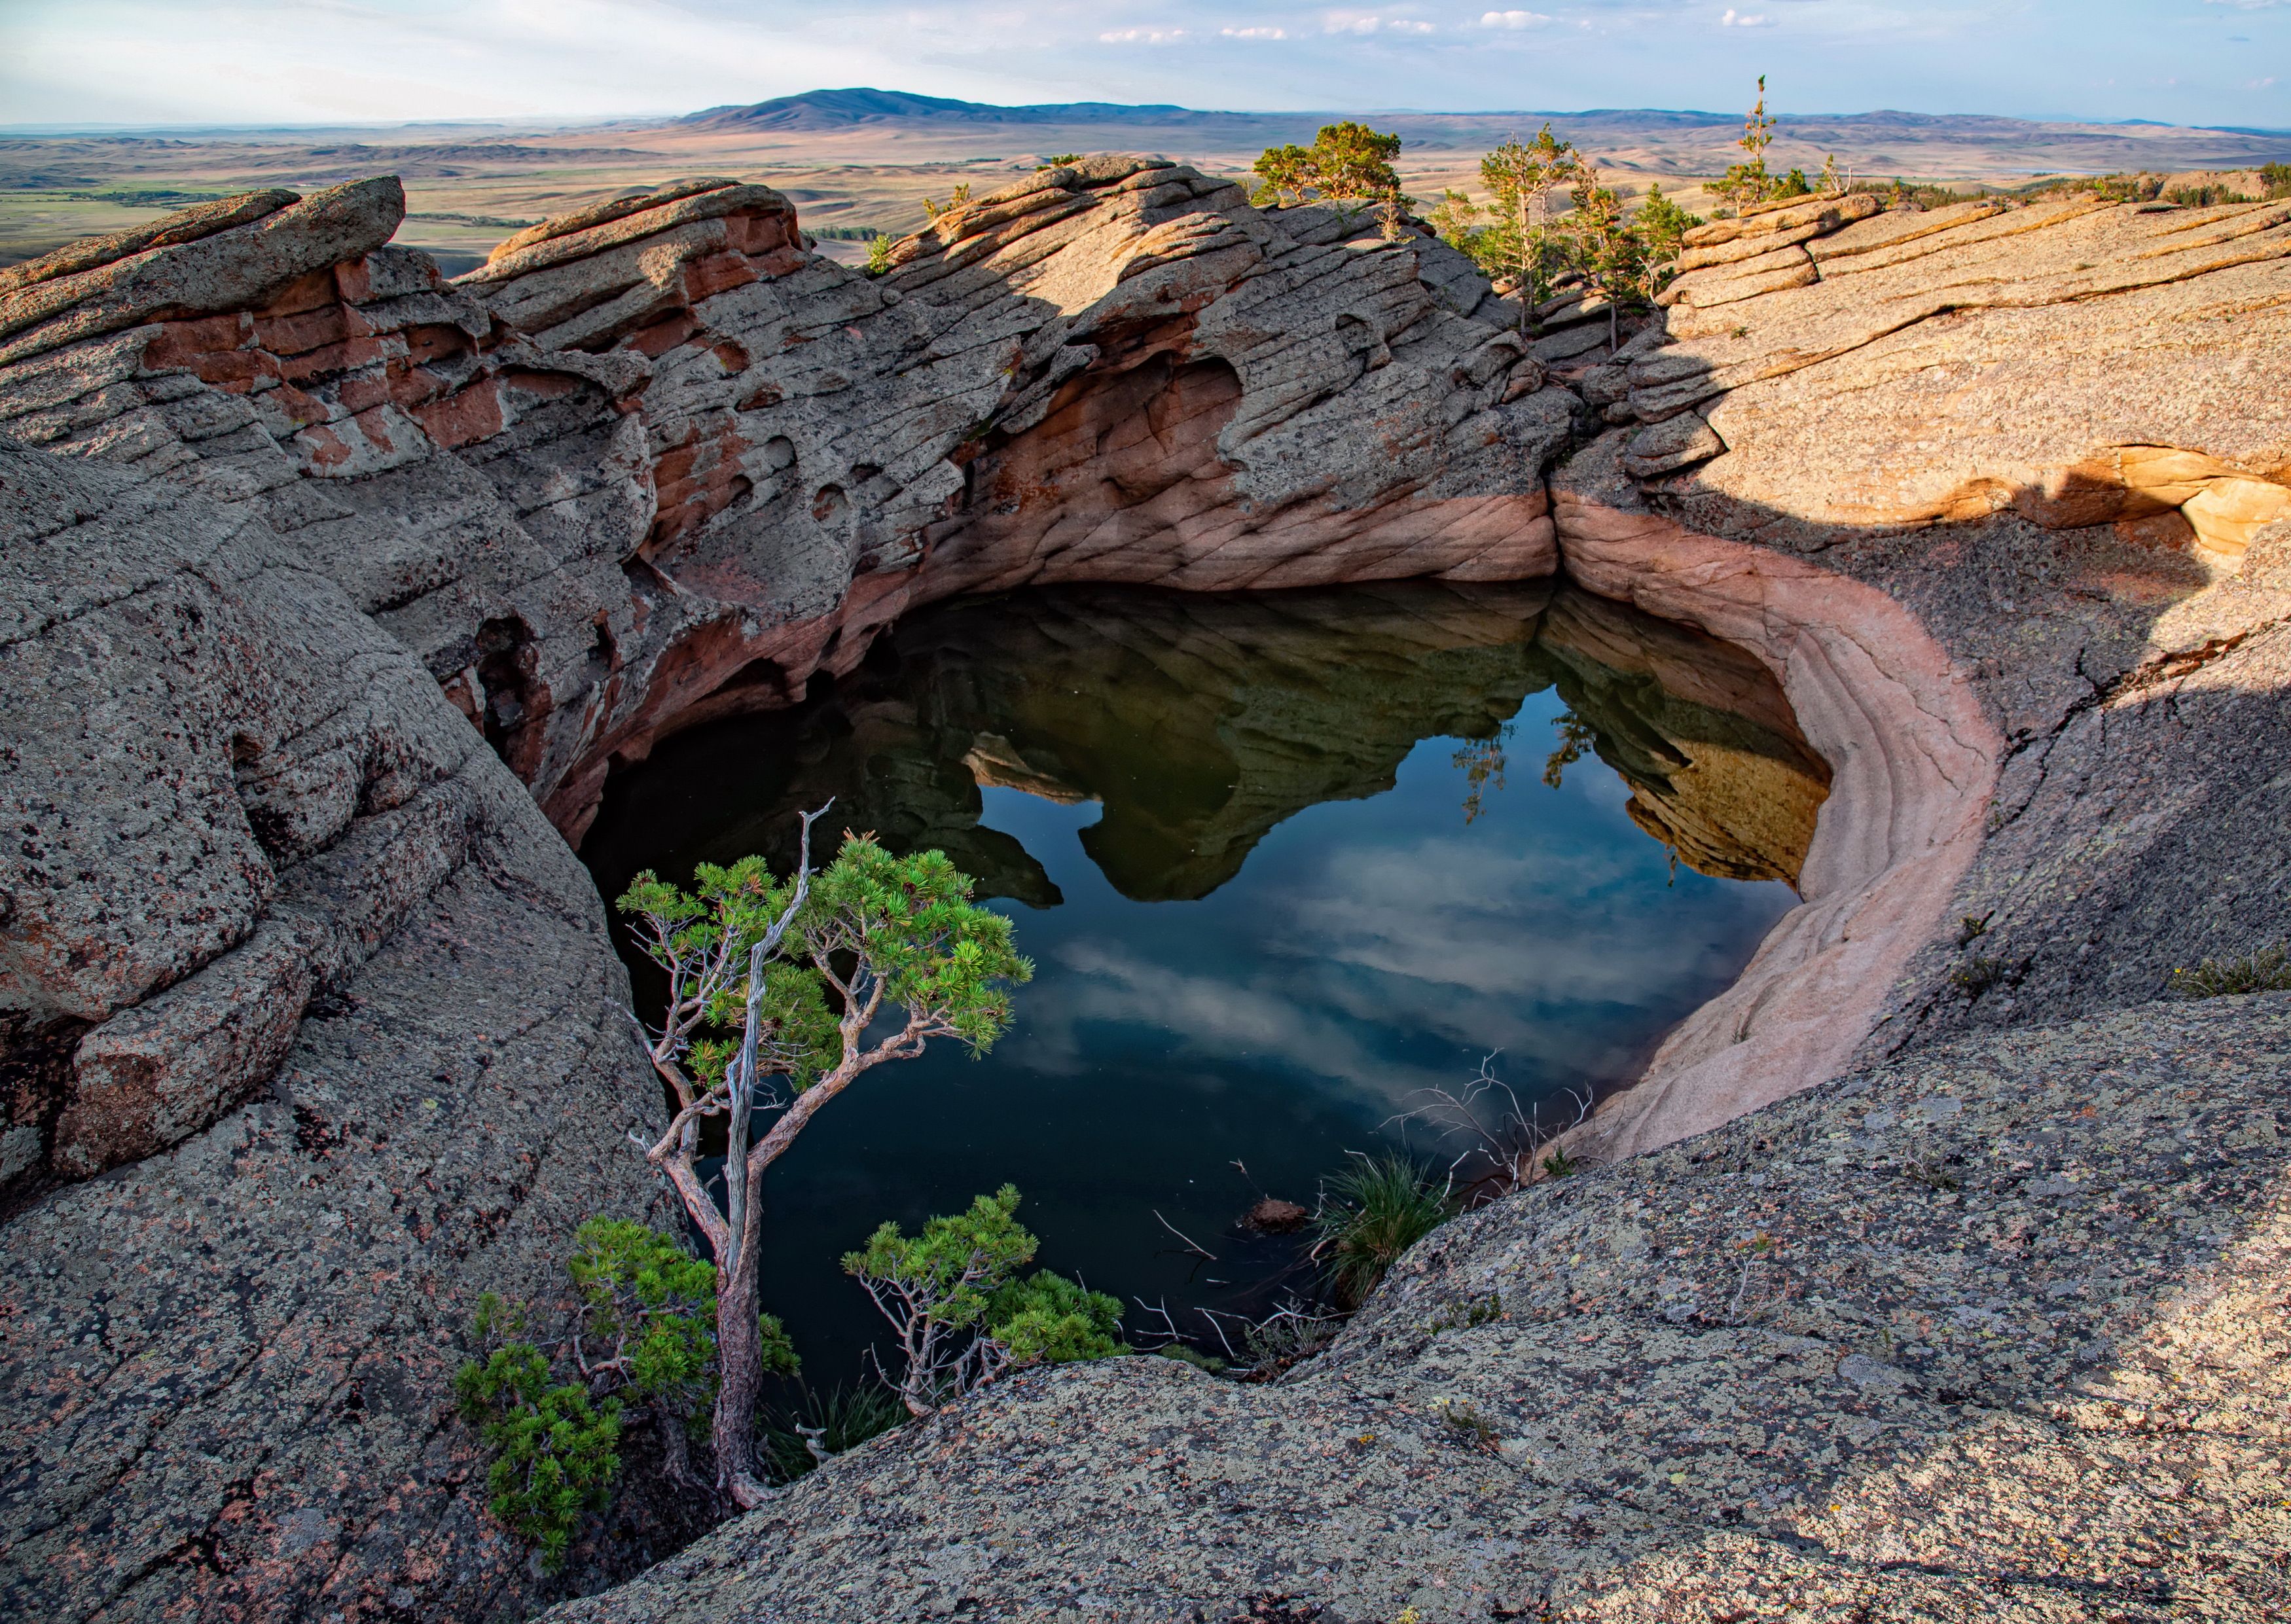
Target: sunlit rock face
[{"x": 1200, "y": 721}]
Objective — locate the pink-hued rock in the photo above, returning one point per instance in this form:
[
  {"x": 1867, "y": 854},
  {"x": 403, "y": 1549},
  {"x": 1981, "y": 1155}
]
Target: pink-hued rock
[
  {"x": 1913, "y": 761},
  {"x": 1999, "y": 496},
  {"x": 242, "y": 266}
]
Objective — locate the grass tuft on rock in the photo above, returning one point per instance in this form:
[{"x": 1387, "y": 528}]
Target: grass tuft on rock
[
  {"x": 1372, "y": 1213},
  {"x": 2268, "y": 971},
  {"x": 834, "y": 1421}
]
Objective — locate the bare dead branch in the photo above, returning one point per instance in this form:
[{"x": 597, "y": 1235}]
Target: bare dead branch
[{"x": 1191, "y": 1245}]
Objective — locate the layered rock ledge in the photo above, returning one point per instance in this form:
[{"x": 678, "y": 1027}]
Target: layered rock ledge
[{"x": 310, "y": 1020}]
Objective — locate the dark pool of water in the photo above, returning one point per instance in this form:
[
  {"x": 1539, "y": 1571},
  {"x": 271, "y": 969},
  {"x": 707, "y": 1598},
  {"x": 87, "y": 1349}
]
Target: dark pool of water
[{"x": 1283, "y": 863}]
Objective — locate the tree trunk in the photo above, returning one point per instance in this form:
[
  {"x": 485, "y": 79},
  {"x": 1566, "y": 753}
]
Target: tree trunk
[
  {"x": 739, "y": 1353},
  {"x": 675, "y": 1454}
]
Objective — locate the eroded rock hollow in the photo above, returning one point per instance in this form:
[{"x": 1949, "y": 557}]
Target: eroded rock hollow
[{"x": 324, "y": 579}]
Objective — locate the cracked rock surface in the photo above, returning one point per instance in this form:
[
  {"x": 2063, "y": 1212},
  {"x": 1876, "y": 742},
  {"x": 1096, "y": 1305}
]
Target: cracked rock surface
[
  {"x": 1991, "y": 1330},
  {"x": 362, "y": 1063}
]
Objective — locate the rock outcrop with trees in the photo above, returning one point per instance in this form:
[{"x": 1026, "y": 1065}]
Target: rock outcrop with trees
[{"x": 328, "y": 578}]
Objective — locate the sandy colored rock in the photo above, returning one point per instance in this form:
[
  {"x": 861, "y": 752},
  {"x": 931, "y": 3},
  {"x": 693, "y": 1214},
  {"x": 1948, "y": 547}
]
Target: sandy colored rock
[
  {"x": 602, "y": 214},
  {"x": 1672, "y": 443},
  {"x": 1769, "y": 273},
  {"x": 1898, "y": 225},
  {"x": 183, "y": 226},
  {"x": 1830, "y": 213},
  {"x": 232, "y": 269},
  {"x": 1743, "y": 248},
  {"x": 1995, "y": 500}
]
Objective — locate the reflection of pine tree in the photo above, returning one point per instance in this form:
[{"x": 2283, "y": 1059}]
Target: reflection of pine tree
[
  {"x": 1484, "y": 764},
  {"x": 1575, "y": 736}
]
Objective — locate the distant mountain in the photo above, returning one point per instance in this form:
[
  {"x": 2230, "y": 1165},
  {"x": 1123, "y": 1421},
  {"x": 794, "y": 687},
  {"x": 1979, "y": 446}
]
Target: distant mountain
[
  {"x": 1668, "y": 140},
  {"x": 831, "y": 109}
]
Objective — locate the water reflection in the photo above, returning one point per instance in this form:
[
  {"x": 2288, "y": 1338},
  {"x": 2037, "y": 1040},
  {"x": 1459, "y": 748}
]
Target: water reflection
[
  {"x": 1284, "y": 860},
  {"x": 1199, "y": 722}
]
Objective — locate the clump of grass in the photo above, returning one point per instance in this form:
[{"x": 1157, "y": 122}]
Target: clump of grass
[
  {"x": 1371, "y": 1213},
  {"x": 1466, "y": 1424},
  {"x": 2268, "y": 971},
  {"x": 1979, "y": 973},
  {"x": 829, "y": 1424}
]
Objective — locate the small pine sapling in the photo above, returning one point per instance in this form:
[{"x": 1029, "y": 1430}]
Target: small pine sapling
[
  {"x": 1661, "y": 226},
  {"x": 1748, "y": 183},
  {"x": 1610, "y": 254},
  {"x": 1455, "y": 220},
  {"x": 957, "y": 198},
  {"x": 1520, "y": 243},
  {"x": 963, "y": 1316},
  {"x": 555, "y": 1453}
]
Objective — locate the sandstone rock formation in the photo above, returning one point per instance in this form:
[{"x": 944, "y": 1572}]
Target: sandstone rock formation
[
  {"x": 628, "y": 471},
  {"x": 1901, "y": 1345},
  {"x": 289, "y": 952},
  {"x": 1999, "y": 496},
  {"x": 653, "y": 462}
]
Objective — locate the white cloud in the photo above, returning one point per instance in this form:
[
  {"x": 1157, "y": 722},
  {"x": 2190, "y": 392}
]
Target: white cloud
[
  {"x": 1512, "y": 19},
  {"x": 1356, "y": 22},
  {"x": 1254, "y": 33},
  {"x": 1735, "y": 20},
  {"x": 1145, "y": 36}
]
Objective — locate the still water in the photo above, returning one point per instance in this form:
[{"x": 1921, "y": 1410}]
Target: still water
[{"x": 1284, "y": 861}]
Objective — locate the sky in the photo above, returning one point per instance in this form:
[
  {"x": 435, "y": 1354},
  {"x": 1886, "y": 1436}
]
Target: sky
[{"x": 271, "y": 61}]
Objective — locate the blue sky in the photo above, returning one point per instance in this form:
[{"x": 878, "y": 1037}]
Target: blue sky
[{"x": 2184, "y": 61}]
